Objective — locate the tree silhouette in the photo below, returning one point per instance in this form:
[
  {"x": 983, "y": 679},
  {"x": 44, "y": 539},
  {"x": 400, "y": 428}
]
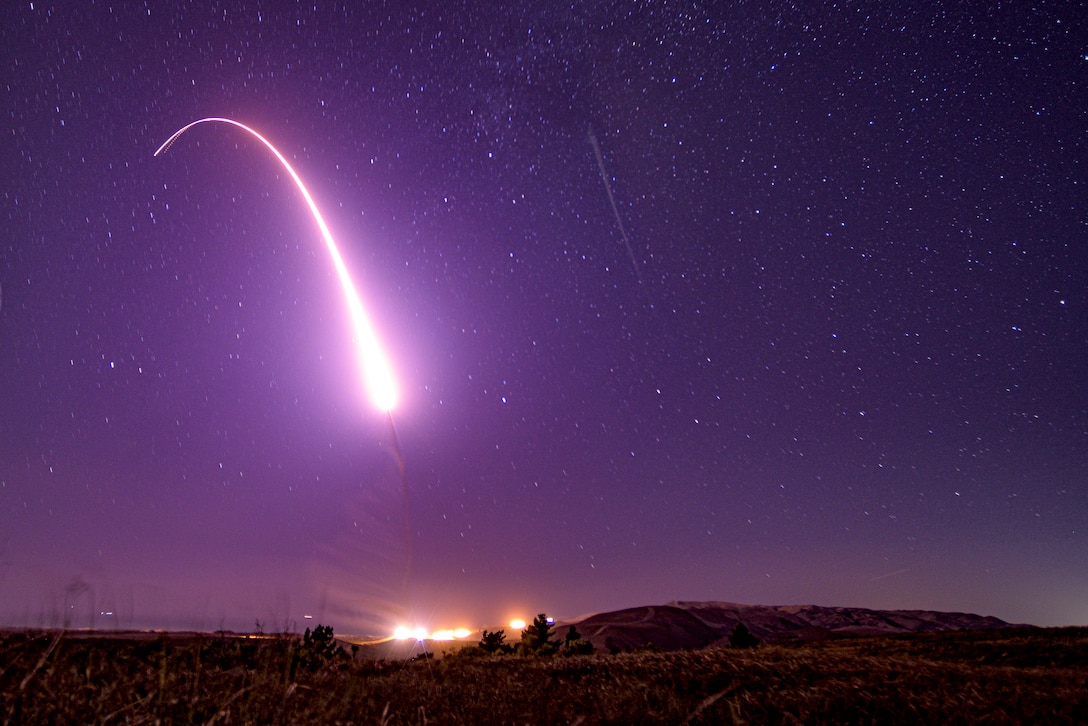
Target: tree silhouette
[
  {"x": 493, "y": 642},
  {"x": 574, "y": 644},
  {"x": 536, "y": 638},
  {"x": 741, "y": 637},
  {"x": 319, "y": 647}
]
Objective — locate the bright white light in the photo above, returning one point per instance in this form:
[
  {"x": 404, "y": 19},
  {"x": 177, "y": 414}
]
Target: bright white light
[
  {"x": 377, "y": 371},
  {"x": 403, "y": 632},
  {"x": 517, "y": 624}
]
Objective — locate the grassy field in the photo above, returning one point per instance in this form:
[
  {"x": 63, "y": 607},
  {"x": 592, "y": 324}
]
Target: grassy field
[{"x": 1008, "y": 676}]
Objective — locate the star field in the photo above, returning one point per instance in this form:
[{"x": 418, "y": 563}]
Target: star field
[{"x": 831, "y": 351}]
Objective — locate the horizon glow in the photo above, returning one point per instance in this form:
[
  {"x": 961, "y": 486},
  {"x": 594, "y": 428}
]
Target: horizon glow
[{"x": 377, "y": 371}]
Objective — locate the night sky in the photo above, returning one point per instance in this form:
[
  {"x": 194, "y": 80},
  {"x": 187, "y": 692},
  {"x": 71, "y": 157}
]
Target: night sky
[{"x": 828, "y": 348}]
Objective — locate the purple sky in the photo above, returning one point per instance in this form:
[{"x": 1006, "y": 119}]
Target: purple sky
[{"x": 846, "y": 366}]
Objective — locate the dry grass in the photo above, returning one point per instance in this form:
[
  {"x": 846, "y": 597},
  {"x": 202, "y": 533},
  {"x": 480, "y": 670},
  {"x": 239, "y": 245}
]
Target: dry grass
[{"x": 1015, "y": 676}]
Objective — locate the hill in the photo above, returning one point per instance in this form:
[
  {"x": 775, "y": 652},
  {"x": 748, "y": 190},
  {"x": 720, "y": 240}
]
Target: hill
[{"x": 692, "y": 625}]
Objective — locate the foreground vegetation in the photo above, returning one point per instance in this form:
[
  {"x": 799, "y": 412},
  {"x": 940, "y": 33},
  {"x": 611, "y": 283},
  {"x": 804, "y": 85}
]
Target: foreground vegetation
[{"x": 1009, "y": 676}]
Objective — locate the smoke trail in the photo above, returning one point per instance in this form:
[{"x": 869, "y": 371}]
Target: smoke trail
[
  {"x": 407, "y": 509},
  {"x": 612, "y": 201}
]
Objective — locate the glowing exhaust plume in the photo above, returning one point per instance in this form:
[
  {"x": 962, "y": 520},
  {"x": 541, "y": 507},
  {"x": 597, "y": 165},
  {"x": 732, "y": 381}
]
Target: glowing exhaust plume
[{"x": 378, "y": 374}]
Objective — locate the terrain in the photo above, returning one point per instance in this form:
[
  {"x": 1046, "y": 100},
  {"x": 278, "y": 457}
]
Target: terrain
[{"x": 1017, "y": 675}]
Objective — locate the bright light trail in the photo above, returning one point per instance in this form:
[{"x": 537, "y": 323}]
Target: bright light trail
[{"x": 377, "y": 371}]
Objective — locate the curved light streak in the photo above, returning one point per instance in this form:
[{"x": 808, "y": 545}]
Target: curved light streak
[{"x": 377, "y": 372}]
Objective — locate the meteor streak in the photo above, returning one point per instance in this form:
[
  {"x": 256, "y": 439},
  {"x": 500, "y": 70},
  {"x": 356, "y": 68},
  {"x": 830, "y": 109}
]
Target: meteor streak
[
  {"x": 612, "y": 201},
  {"x": 377, "y": 372}
]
